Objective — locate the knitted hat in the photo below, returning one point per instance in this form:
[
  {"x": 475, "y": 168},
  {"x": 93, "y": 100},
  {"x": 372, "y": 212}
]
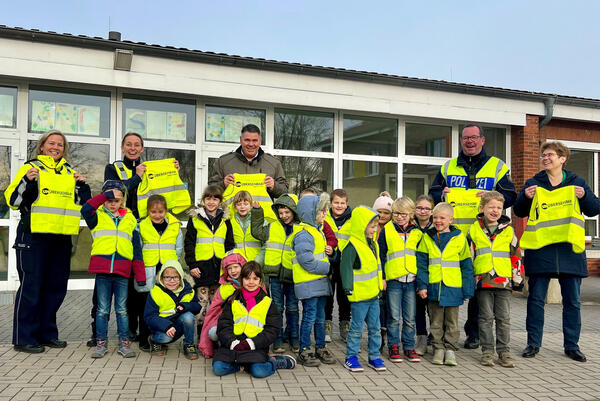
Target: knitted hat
[
  {"x": 114, "y": 184},
  {"x": 232, "y": 259},
  {"x": 383, "y": 202}
]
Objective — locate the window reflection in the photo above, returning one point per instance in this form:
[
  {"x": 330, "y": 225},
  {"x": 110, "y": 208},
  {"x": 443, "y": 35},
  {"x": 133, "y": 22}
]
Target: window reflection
[
  {"x": 303, "y": 130},
  {"x": 370, "y": 136},
  {"x": 363, "y": 181}
]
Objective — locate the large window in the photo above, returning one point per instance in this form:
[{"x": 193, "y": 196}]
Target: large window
[
  {"x": 370, "y": 136},
  {"x": 495, "y": 141},
  {"x": 365, "y": 180},
  {"x": 303, "y": 130},
  {"x": 304, "y": 172},
  {"x": 417, "y": 179},
  {"x": 582, "y": 163},
  {"x": 187, "y": 163},
  {"x": 71, "y": 111},
  {"x": 224, "y": 124},
  {"x": 8, "y": 107},
  {"x": 428, "y": 140},
  {"x": 160, "y": 119}
]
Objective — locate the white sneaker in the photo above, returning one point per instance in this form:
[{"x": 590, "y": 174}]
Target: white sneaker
[
  {"x": 421, "y": 345},
  {"x": 450, "y": 358},
  {"x": 438, "y": 356}
]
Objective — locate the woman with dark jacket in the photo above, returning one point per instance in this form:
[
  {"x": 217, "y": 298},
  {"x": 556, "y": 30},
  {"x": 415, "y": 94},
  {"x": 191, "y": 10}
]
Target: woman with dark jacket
[
  {"x": 555, "y": 260},
  {"x": 248, "y": 326}
]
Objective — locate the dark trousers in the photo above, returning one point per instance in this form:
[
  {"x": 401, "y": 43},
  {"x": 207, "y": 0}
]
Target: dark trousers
[
  {"x": 472, "y": 323},
  {"x": 420, "y": 317},
  {"x": 43, "y": 264},
  {"x": 136, "y": 303},
  {"x": 340, "y": 296}
]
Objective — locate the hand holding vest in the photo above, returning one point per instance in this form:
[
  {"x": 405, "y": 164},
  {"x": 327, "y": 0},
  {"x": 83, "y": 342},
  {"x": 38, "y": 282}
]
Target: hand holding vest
[
  {"x": 162, "y": 178},
  {"x": 255, "y": 185}
]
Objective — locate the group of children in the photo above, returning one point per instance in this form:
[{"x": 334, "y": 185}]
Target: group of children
[{"x": 387, "y": 266}]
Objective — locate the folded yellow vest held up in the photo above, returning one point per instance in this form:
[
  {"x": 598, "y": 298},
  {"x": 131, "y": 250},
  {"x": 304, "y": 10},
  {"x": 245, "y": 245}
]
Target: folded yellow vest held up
[
  {"x": 255, "y": 185},
  {"x": 162, "y": 178},
  {"x": 466, "y": 207}
]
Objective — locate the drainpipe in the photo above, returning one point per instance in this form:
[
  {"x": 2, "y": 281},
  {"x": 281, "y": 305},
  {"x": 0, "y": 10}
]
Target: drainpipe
[{"x": 549, "y": 105}]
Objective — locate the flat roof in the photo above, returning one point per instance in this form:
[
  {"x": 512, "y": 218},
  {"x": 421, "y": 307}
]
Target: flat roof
[{"x": 180, "y": 53}]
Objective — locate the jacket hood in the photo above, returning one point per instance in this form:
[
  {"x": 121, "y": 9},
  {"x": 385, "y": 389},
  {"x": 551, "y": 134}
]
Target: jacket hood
[
  {"x": 49, "y": 162},
  {"x": 503, "y": 221},
  {"x": 174, "y": 264},
  {"x": 199, "y": 211},
  {"x": 229, "y": 260},
  {"x": 453, "y": 231},
  {"x": 361, "y": 217},
  {"x": 240, "y": 153},
  {"x": 288, "y": 201},
  {"x": 340, "y": 220},
  {"x": 308, "y": 206}
]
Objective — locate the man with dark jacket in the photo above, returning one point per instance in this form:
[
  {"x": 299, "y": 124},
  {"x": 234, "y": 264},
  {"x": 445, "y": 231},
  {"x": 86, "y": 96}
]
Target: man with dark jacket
[{"x": 470, "y": 171}]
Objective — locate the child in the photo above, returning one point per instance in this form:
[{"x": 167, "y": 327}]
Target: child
[
  {"x": 311, "y": 285},
  {"x": 162, "y": 240},
  {"x": 398, "y": 243},
  {"x": 229, "y": 282},
  {"x": 445, "y": 279},
  {"x": 247, "y": 327},
  {"x": 423, "y": 221},
  {"x": 170, "y": 311},
  {"x": 337, "y": 219},
  {"x": 277, "y": 238},
  {"x": 245, "y": 244},
  {"x": 492, "y": 238},
  {"x": 116, "y": 250},
  {"x": 209, "y": 235},
  {"x": 360, "y": 269}
]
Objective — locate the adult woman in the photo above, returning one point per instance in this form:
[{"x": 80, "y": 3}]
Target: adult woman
[
  {"x": 547, "y": 255},
  {"x": 47, "y": 192}
]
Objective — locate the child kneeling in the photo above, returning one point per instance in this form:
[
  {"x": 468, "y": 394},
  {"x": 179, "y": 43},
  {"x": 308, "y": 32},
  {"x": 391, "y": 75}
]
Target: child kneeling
[
  {"x": 246, "y": 329},
  {"x": 170, "y": 311}
]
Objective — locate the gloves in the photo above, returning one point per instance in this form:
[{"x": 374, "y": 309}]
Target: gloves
[{"x": 242, "y": 346}]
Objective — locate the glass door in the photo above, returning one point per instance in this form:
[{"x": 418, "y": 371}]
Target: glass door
[{"x": 8, "y": 160}]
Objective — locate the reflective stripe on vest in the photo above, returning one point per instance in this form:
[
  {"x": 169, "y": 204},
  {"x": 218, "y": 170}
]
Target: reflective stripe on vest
[
  {"x": 159, "y": 248},
  {"x": 162, "y": 178},
  {"x": 485, "y": 179},
  {"x": 445, "y": 266},
  {"x": 368, "y": 280},
  {"x": 401, "y": 257},
  {"x": 54, "y": 211},
  {"x": 109, "y": 238},
  {"x": 466, "y": 207},
  {"x": 300, "y": 275},
  {"x": 492, "y": 254},
  {"x": 254, "y": 184},
  {"x": 123, "y": 172},
  {"x": 342, "y": 234},
  {"x": 554, "y": 217},
  {"x": 166, "y": 304},
  {"x": 250, "y": 323},
  {"x": 274, "y": 248},
  {"x": 245, "y": 244},
  {"x": 209, "y": 244}
]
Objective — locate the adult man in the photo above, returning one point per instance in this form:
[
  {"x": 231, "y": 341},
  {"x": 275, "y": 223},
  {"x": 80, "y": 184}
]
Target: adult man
[
  {"x": 473, "y": 170},
  {"x": 249, "y": 158}
]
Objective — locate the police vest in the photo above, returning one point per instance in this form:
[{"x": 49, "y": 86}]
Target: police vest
[
  {"x": 245, "y": 244},
  {"x": 276, "y": 246},
  {"x": 166, "y": 304},
  {"x": 123, "y": 172},
  {"x": 342, "y": 234},
  {"x": 162, "y": 178},
  {"x": 554, "y": 217},
  {"x": 299, "y": 274},
  {"x": 209, "y": 244},
  {"x": 255, "y": 185},
  {"x": 225, "y": 291},
  {"x": 492, "y": 254},
  {"x": 368, "y": 280},
  {"x": 401, "y": 255},
  {"x": 109, "y": 237},
  {"x": 250, "y": 323},
  {"x": 54, "y": 211},
  {"x": 445, "y": 266},
  {"x": 466, "y": 207},
  {"x": 159, "y": 248}
]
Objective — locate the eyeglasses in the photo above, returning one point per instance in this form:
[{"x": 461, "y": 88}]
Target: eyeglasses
[
  {"x": 470, "y": 138},
  {"x": 398, "y": 214},
  {"x": 547, "y": 155},
  {"x": 170, "y": 278},
  {"x": 423, "y": 209}
]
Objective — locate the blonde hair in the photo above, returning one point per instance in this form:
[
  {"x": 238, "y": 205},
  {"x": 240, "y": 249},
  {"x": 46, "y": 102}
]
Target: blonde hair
[
  {"x": 491, "y": 195},
  {"x": 404, "y": 204},
  {"x": 443, "y": 207},
  {"x": 44, "y": 138},
  {"x": 560, "y": 149},
  {"x": 242, "y": 196}
]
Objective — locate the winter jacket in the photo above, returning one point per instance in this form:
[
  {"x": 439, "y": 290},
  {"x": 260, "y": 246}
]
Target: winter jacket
[
  {"x": 474, "y": 164},
  {"x": 110, "y": 173},
  {"x": 236, "y": 162},
  {"x": 339, "y": 222},
  {"x": 262, "y": 341},
  {"x": 304, "y": 246},
  {"x": 427, "y": 227},
  {"x": 557, "y": 258},
  {"x": 209, "y": 269},
  {"x": 444, "y": 295}
]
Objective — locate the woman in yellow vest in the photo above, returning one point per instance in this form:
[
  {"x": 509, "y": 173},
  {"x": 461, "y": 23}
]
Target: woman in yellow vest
[
  {"x": 246, "y": 329},
  {"x": 555, "y": 248},
  {"x": 162, "y": 240},
  {"x": 48, "y": 194}
]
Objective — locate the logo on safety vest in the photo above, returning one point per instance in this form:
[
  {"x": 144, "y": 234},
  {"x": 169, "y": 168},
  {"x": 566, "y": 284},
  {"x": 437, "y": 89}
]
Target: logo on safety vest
[
  {"x": 561, "y": 203},
  {"x": 467, "y": 204},
  {"x": 47, "y": 191},
  {"x": 151, "y": 176},
  {"x": 247, "y": 184}
]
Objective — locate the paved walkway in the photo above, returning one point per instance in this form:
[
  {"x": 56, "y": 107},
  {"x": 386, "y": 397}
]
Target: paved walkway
[{"x": 70, "y": 373}]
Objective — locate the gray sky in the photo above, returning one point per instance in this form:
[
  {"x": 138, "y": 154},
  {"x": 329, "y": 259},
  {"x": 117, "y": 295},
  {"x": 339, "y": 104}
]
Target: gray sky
[{"x": 546, "y": 46}]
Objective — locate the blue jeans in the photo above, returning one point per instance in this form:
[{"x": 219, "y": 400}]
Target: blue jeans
[
  {"x": 285, "y": 298},
  {"x": 401, "y": 303},
  {"x": 184, "y": 325},
  {"x": 106, "y": 286},
  {"x": 258, "y": 370},
  {"x": 361, "y": 312},
  {"x": 571, "y": 313},
  {"x": 313, "y": 314}
]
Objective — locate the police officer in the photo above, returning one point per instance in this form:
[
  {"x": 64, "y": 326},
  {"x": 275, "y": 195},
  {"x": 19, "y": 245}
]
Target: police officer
[
  {"x": 473, "y": 169},
  {"x": 48, "y": 194}
]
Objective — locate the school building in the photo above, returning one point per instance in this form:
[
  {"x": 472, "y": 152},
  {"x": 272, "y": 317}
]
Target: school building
[{"x": 331, "y": 127}]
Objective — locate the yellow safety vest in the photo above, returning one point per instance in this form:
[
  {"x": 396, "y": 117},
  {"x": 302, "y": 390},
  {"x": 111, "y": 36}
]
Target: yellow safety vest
[
  {"x": 554, "y": 217},
  {"x": 276, "y": 246},
  {"x": 123, "y": 172},
  {"x": 299, "y": 274},
  {"x": 255, "y": 185},
  {"x": 225, "y": 290},
  {"x": 166, "y": 304},
  {"x": 401, "y": 255},
  {"x": 491, "y": 254},
  {"x": 342, "y": 234},
  {"x": 109, "y": 237},
  {"x": 159, "y": 248},
  {"x": 287, "y": 273},
  {"x": 245, "y": 244},
  {"x": 207, "y": 243},
  {"x": 466, "y": 207},
  {"x": 55, "y": 211},
  {"x": 250, "y": 323},
  {"x": 445, "y": 266},
  {"x": 162, "y": 178}
]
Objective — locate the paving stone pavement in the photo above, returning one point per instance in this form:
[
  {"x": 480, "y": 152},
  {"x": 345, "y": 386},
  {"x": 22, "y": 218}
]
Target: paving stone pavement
[{"x": 70, "y": 373}]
